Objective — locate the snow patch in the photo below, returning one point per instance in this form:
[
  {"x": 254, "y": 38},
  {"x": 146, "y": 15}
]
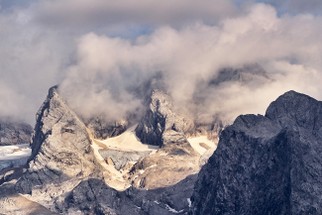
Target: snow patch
[
  {"x": 127, "y": 141},
  {"x": 115, "y": 178},
  {"x": 189, "y": 202},
  {"x": 141, "y": 171},
  {"x": 172, "y": 209},
  {"x": 196, "y": 142}
]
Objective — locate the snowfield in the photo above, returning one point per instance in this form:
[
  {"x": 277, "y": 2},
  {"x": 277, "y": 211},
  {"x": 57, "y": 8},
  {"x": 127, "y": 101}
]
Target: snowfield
[
  {"x": 196, "y": 142},
  {"x": 126, "y": 141}
]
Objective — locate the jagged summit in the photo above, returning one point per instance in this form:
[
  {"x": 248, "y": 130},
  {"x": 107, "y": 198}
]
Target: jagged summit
[
  {"x": 60, "y": 146},
  {"x": 162, "y": 124},
  {"x": 157, "y": 152},
  {"x": 303, "y": 110},
  {"x": 266, "y": 164}
]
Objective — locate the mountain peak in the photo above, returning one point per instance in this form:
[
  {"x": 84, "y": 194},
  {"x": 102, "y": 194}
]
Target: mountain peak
[
  {"x": 266, "y": 164},
  {"x": 52, "y": 91},
  {"x": 296, "y": 109},
  {"x": 60, "y": 146}
]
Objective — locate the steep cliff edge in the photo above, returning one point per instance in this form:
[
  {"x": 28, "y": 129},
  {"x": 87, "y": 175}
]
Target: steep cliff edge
[
  {"x": 268, "y": 164},
  {"x": 61, "y": 154}
]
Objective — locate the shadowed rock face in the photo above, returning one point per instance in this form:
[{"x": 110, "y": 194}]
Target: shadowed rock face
[
  {"x": 250, "y": 74},
  {"x": 268, "y": 164},
  {"x": 12, "y": 133},
  {"x": 94, "y": 197},
  {"x": 102, "y": 129},
  {"x": 161, "y": 124}
]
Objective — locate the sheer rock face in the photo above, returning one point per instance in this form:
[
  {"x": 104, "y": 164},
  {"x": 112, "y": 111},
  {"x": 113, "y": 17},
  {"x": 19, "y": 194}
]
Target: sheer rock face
[
  {"x": 60, "y": 148},
  {"x": 161, "y": 124},
  {"x": 268, "y": 164},
  {"x": 12, "y": 132}
]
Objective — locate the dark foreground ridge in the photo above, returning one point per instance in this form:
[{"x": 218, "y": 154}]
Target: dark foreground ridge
[{"x": 268, "y": 164}]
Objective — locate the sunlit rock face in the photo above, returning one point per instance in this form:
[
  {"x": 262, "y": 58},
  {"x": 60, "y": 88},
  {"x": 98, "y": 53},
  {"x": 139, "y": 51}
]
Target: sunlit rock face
[
  {"x": 268, "y": 164},
  {"x": 60, "y": 146}
]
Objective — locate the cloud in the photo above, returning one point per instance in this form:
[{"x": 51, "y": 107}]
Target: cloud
[
  {"x": 100, "y": 51},
  {"x": 31, "y": 60},
  {"x": 288, "y": 47}
]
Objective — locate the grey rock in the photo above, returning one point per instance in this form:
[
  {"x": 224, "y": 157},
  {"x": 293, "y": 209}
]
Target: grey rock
[
  {"x": 94, "y": 197},
  {"x": 211, "y": 129},
  {"x": 7, "y": 165},
  {"x": 102, "y": 129},
  {"x": 162, "y": 124},
  {"x": 60, "y": 147},
  {"x": 13, "y": 132},
  {"x": 11, "y": 203},
  {"x": 121, "y": 158},
  {"x": 268, "y": 164},
  {"x": 247, "y": 74}
]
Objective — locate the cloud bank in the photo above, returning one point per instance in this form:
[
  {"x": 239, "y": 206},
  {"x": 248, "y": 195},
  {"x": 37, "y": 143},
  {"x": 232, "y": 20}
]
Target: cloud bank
[
  {"x": 287, "y": 47},
  {"x": 99, "y": 52}
]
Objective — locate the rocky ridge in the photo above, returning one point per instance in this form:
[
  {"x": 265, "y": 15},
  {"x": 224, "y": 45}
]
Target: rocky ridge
[
  {"x": 161, "y": 124},
  {"x": 67, "y": 159},
  {"x": 61, "y": 154},
  {"x": 13, "y": 132},
  {"x": 266, "y": 164}
]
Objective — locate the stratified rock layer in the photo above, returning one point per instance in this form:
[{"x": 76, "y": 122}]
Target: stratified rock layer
[
  {"x": 268, "y": 164},
  {"x": 60, "y": 148}
]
